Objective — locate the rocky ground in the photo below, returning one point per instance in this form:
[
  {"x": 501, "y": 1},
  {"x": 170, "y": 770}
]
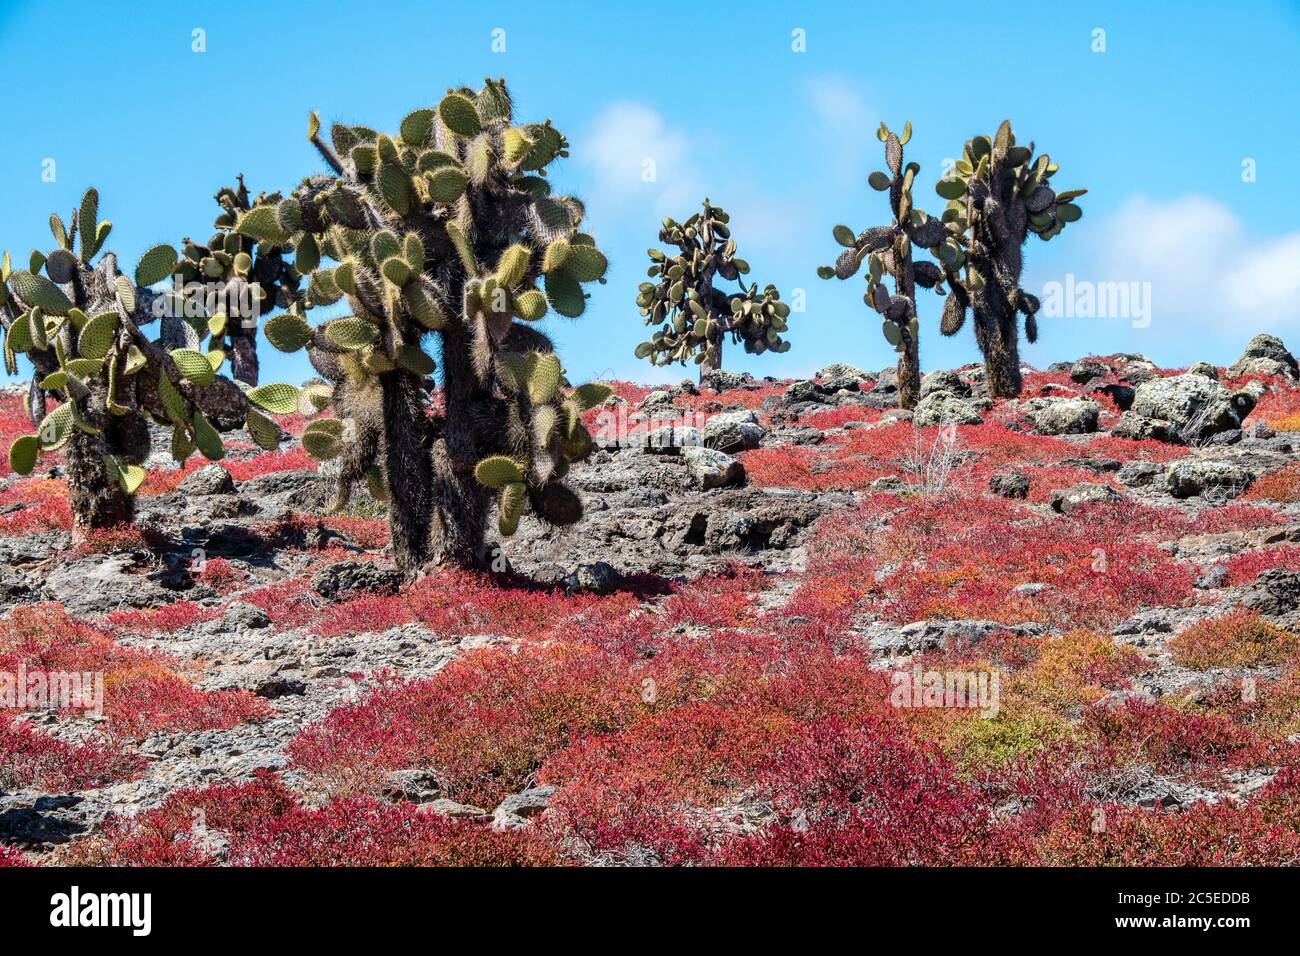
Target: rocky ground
[{"x": 1071, "y": 539}]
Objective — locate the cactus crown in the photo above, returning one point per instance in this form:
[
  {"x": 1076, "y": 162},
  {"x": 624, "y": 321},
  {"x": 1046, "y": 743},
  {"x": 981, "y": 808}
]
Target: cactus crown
[
  {"x": 79, "y": 323},
  {"x": 693, "y": 315},
  {"x": 997, "y": 193},
  {"x": 240, "y": 274},
  {"x": 450, "y": 227}
]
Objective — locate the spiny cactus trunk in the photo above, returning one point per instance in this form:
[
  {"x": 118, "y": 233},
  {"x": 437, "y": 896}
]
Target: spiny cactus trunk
[
  {"x": 409, "y": 470},
  {"x": 909, "y": 357},
  {"x": 97, "y": 500},
  {"x": 712, "y": 359},
  {"x": 998, "y": 336},
  {"x": 243, "y": 356},
  {"x": 460, "y": 504},
  {"x": 909, "y": 375}
]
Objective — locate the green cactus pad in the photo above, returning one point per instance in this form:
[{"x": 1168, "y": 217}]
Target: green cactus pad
[
  {"x": 422, "y": 306},
  {"x": 23, "y": 454},
  {"x": 415, "y": 359},
  {"x": 460, "y": 115},
  {"x": 262, "y": 224},
  {"x": 351, "y": 333},
  {"x": 287, "y": 331},
  {"x": 55, "y": 428},
  {"x": 207, "y": 439},
  {"x": 172, "y": 402},
  {"x": 513, "y": 265},
  {"x": 194, "y": 366},
  {"x": 529, "y": 305},
  {"x": 278, "y": 398},
  {"x": 87, "y": 224},
  {"x": 590, "y": 395},
  {"x": 98, "y": 335},
  {"x": 564, "y": 294},
  {"x": 417, "y": 128},
  {"x": 394, "y": 184},
  {"x": 322, "y": 439},
  {"x": 541, "y": 376},
  {"x": 498, "y": 471},
  {"x": 585, "y": 263},
  {"x": 447, "y": 184},
  {"x": 182, "y": 447},
  {"x": 510, "y": 507},
  {"x": 39, "y": 292},
  {"x": 265, "y": 433}
]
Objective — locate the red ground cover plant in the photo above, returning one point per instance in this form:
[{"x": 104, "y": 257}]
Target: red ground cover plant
[
  {"x": 35, "y": 504},
  {"x": 1222, "y": 834},
  {"x": 220, "y": 574},
  {"x": 1282, "y": 486},
  {"x": 862, "y": 795},
  {"x": 261, "y": 823},
  {"x": 1237, "y": 639},
  {"x": 13, "y": 858},
  {"x": 1244, "y": 567},
  {"x": 486, "y": 721},
  {"x": 165, "y": 619},
  {"x": 954, "y": 557},
  {"x": 30, "y": 758},
  {"x": 143, "y": 690}
]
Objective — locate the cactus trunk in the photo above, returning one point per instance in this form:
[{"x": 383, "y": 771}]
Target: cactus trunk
[
  {"x": 712, "y": 360},
  {"x": 96, "y": 499},
  {"x": 243, "y": 355},
  {"x": 997, "y": 335},
  {"x": 409, "y": 470},
  {"x": 909, "y": 375},
  {"x": 459, "y": 503}
]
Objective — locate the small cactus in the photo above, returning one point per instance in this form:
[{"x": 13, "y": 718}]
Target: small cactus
[
  {"x": 79, "y": 324},
  {"x": 887, "y": 250},
  {"x": 997, "y": 194},
  {"x": 694, "y": 317},
  {"x": 245, "y": 271}
]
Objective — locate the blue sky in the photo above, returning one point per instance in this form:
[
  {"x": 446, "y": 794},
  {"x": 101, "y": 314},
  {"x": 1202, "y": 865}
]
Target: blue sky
[{"x": 1157, "y": 127}]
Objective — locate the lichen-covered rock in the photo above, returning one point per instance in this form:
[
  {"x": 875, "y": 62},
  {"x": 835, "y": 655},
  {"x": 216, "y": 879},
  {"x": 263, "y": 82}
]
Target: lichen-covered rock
[
  {"x": 944, "y": 408},
  {"x": 1066, "y": 500},
  {"x": 1137, "y": 427},
  {"x": 1064, "y": 416},
  {"x": 1010, "y": 484},
  {"x": 1265, "y": 355},
  {"x": 731, "y": 432},
  {"x": 1196, "y": 406},
  {"x": 711, "y": 468},
  {"x": 943, "y": 381},
  {"x": 1187, "y": 479},
  {"x": 208, "y": 480},
  {"x": 345, "y": 578}
]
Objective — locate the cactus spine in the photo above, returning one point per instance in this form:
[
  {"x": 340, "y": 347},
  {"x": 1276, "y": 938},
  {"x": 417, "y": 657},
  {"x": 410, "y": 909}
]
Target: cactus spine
[
  {"x": 998, "y": 193},
  {"x": 696, "y": 317}
]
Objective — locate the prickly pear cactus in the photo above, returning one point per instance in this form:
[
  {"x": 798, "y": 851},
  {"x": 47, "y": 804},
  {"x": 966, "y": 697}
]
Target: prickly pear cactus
[
  {"x": 887, "y": 251},
  {"x": 998, "y": 193},
  {"x": 447, "y": 227},
  {"x": 78, "y": 321},
  {"x": 693, "y": 316},
  {"x": 243, "y": 273}
]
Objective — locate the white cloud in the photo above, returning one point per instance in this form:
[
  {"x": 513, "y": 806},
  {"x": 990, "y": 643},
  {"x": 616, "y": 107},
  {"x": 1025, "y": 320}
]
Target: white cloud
[
  {"x": 626, "y": 140},
  {"x": 840, "y": 106},
  {"x": 1208, "y": 273}
]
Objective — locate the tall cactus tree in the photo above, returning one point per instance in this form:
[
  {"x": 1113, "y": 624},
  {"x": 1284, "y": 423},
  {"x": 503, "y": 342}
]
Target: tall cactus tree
[
  {"x": 998, "y": 193},
  {"x": 445, "y": 228},
  {"x": 79, "y": 323},
  {"x": 696, "y": 317},
  {"x": 887, "y": 250},
  {"x": 239, "y": 276}
]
